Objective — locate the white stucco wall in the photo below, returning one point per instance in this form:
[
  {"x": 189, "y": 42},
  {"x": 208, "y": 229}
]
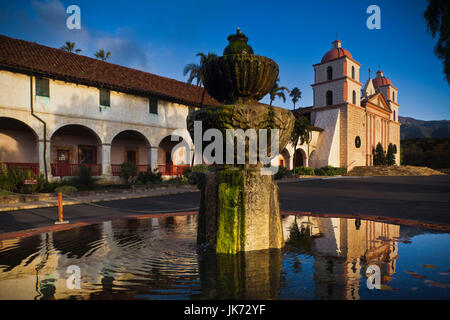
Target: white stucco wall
[
  {"x": 71, "y": 103},
  {"x": 327, "y": 149}
]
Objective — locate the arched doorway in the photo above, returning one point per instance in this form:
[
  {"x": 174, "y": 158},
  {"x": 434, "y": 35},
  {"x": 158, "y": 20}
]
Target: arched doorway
[
  {"x": 173, "y": 156},
  {"x": 72, "y": 146},
  {"x": 299, "y": 158},
  {"x": 130, "y": 146},
  {"x": 285, "y": 159},
  {"x": 18, "y": 145}
]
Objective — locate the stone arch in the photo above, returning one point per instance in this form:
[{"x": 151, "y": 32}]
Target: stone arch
[
  {"x": 18, "y": 143},
  {"x": 329, "y": 73},
  {"x": 73, "y": 145},
  {"x": 300, "y": 158},
  {"x": 313, "y": 159},
  {"x": 130, "y": 146},
  {"x": 285, "y": 159},
  {"x": 97, "y": 132},
  {"x": 183, "y": 133},
  {"x": 173, "y": 155},
  {"x": 329, "y": 98}
]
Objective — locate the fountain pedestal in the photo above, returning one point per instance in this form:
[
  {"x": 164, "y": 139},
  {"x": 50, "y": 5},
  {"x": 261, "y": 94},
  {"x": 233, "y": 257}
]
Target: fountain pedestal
[{"x": 239, "y": 209}]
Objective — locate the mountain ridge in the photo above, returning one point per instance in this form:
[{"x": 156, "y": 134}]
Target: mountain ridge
[{"x": 413, "y": 128}]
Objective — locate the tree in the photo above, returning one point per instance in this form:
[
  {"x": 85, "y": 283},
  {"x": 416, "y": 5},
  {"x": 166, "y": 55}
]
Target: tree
[
  {"x": 300, "y": 133},
  {"x": 195, "y": 70},
  {"x": 379, "y": 157},
  {"x": 437, "y": 16},
  {"x": 277, "y": 92},
  {"x": 296, "y": 95},
  {"x": 102, "y": 55},
  {"x": 390, "y": 157},
  {"x": 70, "y": 47}
]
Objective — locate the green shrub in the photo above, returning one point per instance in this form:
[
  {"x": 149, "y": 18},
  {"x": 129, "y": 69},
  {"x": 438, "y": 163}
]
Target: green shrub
[
  {"x": 175, "y": 180},
  {"x": 330, "y": 171},
  {"x": 390, "y": 157},
  {"x": 129, "y": 172},
  {"x": 379, "y": 157},
  {"x": 304, "y": 171},
  {"x": 65, "y": 189},
  {"x": 12, "y": 180},
  {"x": 149, "y": 177},
  {"x": 84, "y": 180},
  {"x": 282, "y": 172},
  {"x": 197, "y": 168}
]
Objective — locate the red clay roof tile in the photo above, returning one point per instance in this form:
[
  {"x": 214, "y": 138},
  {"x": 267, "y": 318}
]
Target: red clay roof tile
[{"x": 29, "y": 57}]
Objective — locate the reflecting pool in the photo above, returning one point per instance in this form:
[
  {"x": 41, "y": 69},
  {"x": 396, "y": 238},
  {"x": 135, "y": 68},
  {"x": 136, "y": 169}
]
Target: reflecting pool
[{"x": 157, "y": 258}]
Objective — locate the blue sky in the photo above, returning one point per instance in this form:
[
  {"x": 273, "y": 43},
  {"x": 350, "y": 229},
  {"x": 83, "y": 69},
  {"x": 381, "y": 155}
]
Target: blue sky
[{"x": 163, "y": 36}]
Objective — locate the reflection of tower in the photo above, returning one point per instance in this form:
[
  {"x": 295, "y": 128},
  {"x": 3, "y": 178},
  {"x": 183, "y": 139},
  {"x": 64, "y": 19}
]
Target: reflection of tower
[{"x": 343, "y": 251}]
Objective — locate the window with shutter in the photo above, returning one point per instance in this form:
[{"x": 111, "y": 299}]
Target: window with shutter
[
  {"x": 42, "y": 87},
  {"x": 153, "y": 105},
  {"x": 105, "y": 98}
]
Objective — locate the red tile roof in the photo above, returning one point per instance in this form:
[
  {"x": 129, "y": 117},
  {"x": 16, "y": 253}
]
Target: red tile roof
[
  {"x": 381, "y": 82},
  {"x": 335, "y": 53},
  {"x": 28, "y": 57}
]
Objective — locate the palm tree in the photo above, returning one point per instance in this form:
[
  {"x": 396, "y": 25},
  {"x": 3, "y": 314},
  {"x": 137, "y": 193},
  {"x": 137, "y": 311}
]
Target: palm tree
[
  {"x": 277, "y": 92},
  {"x": 70, "y": 47},
  {"x": 296, "y": 95},
  {"x": 195, "y": 70},
  {"x": 300, "y": 133},
  {"x": 100, "y": 54}
]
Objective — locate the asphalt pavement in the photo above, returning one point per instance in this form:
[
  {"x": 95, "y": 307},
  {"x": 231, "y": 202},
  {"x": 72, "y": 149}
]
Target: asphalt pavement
[{"x": 425, "y": 198}]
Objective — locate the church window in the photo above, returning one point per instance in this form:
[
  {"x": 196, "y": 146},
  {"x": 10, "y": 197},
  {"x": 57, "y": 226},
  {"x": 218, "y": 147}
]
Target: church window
[
  {"x": 104, "y": 98},
  {"x": 329, "y": 73},
  {"x": 153, "y": 105},
  {"x": 353, "y": 72},
  {"x": 394, "y": 115},
  {"x": 42, "y": 87},
  {"x": 329, "y": 98},
  {"x": 393, "y": 96},
  {"x": 354, "y": 97},
  {"x": 357, "y": 142}
]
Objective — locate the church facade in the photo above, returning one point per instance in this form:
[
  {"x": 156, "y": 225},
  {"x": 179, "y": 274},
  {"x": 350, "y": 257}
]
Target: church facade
[
  {"x": 60, "y": 110},
  {"x": 354, "y": 117}
]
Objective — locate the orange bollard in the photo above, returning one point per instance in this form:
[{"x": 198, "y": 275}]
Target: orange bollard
[{"x": 60, "y": 210}]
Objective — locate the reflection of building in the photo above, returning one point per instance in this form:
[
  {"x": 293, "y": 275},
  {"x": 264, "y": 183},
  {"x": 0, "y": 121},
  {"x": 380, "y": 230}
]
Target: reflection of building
[
  {"x": 112, "y": 256},
  {"x": 344, "y": 248}
]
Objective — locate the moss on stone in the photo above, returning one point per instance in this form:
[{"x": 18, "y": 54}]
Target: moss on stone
[{"x": 231, "y": 211}]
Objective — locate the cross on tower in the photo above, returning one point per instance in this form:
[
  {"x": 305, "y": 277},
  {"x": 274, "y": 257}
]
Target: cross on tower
[{"x": 369, "y": 73}]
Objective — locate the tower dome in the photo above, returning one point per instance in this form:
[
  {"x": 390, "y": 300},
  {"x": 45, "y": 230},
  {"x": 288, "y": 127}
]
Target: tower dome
[
  {"x": 380, "y": 80},
  {"x": 336, "y": 52}
]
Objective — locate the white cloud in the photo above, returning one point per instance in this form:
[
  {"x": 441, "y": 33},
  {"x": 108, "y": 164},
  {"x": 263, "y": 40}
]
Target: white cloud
[{"x": 49, "y": 26}]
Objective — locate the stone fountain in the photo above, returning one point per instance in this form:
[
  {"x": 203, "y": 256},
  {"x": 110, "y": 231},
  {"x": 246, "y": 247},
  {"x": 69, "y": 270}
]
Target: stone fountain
[{"x": 239, "y": 209}]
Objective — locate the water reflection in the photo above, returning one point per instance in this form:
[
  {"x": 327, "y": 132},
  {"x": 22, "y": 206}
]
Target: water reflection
[
  {"x": 324, "y": 258},
  {"x": 342, "y": 250}
]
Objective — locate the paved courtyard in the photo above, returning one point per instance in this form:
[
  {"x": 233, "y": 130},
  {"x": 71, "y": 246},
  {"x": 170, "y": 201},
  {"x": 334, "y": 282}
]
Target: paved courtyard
[{"x": 418, "y": 198}]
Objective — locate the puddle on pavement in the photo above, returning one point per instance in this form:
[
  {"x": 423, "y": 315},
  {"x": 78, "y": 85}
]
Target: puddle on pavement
[{"x": 156, "y": 258}]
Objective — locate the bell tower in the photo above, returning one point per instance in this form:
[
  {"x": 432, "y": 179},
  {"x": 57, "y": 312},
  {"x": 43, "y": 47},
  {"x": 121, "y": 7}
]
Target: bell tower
[{"x": 336, "y": 78}]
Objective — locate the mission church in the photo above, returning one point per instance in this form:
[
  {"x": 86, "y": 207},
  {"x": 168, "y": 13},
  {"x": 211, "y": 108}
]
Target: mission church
[
  {"x": 60, "y": 110},
  {"x": 353, "y": 118}
]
